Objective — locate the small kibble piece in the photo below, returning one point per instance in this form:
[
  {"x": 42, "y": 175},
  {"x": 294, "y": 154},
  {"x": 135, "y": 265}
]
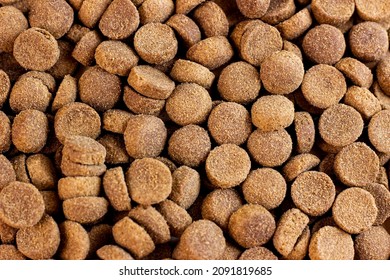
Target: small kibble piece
[
  {"x": 381, "y": 195},
  {"x": 185, "y": 186},
  {"x": 52, "y": 202},
  {"x": 84, "y": 150},
  {"x": 211, "y": 19},
  {"x": 41, "y": 171},
  {"x": 84, "y": 51},
  {"x": 99, "y": 235},
  {"x": 356, "y": 71},
  {"x": 334, "y": 12},
  {"x": 12, "y": 23},
  {"x": 362, "y": 100},
  {"x": 383, "y": 98},
  {"x": 155, "y": 10},
  {"x": 379, "y": 131},
  {"x": 232, "y": 252},
  {"x": 5, "y": 86},
  {"x": 186, "y": 71},
  {"x": 177, "y": 217},
  {"x": 113, "y": 252},
  {"x": 374, "y": 10},
  {"x": 331, "y": 243},
  {"x": 186, "y": 6},
  {"x": 7, "y": 172},
  {"x": 279, "y": 10},
  {"x": 75, "y": 241},
  {"x": 139, "y": 104},
  {"x": 116, "y": 190},
  {"x": 66, "y": 93},
  {"x": 354, "y": 210},
  {"x": 115, "y": 120},
  {"x": 71, "y": 187},
  {"x": 9, "y": 252},
  {"x": 7, "y": 233},
  {"x": 305, "y": 132},
  {"x": 66, "y": 64},
  {"x": 296, "y": 25},
  {"x": 300, "y": 249},
  {"x": 186, "y": 28},
  {"x": 383, "y": 74},
  {"x": 115, "y": 149},
  {"x": 373, "y": 244},
  {"x": 291, "y": 47},
  {"x": 253, "y": 9},
  {"x": 19, "y": 165},
  {"x": 299, "y": 164},
  {"x": 258, "y": 253},
  {"x": 85, "y": 210},
  {"x": 91, "y": 11}
]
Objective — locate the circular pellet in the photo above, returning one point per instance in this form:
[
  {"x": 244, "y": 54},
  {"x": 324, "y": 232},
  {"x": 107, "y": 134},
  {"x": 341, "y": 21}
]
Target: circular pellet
[
  {"x": 41, "y": 171},
  {"x": 354, "y": 210},
  {"x": 381, "y": 195},
  {"x": 232, "y": 251},
  {"x": 84, "y": 51},
  {"x": 356, "y": 71},
  {"x": 258, "y": 253},
  {"x": 177, "y": 217},
  {"x": 186, "y": 6},
  {"x": 305, "y": 131},
  {"x": 299, "y": 164},
  {"x": 253, "y": 9},
  {"x": 7, "y": 233},
  {"x": 291, "y": 47},
  {"x": 185, "y": 186},
  {"x": 333, "y": 12},
  {"x": 85, "y": 210},
  {"x": 75, "y": 241},
  {"x": 155, "y": 10},
  {"x": 186, "y": 28},
  {"x": 115, "y": 149},
  {"x": 296, "y": 25},
  {"x": 70, "y": 168},
  {"x": 9, "y": 252},
  {"x": 383, "y": 73},
  {"x": 71, "y": 187},
  {"x": 278, "y": 11},
  {"x": 362, "y": 100},
  {"x": 91, "y": 11},
  {"x": 116, "y": 190},
  {"x": 373, "y": 244},
  {"x": 113, "y": 252},
  {"x": 211, "y": 19},
  {"x": 139, "y": 104},
  {"x": 300, "y": 249},
  {"x": 12, "y": 22},
  {"x": 379, "y": 131},
  {"x": 115, "y": 120},
  {"x": 374, "y": 10},
  {"x": 84, "y": 150},
  {"x": 7, "y": 172},
  {"x": 66, "y": 64},
  {"x": 186, "y": 71}
]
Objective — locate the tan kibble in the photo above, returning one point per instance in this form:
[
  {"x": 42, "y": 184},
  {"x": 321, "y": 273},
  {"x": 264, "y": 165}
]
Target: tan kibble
[
  {"x": 291, "y": 47},
  {"x": 253, "y": 9},
  {"x": 46, "y": 78},
  {"x": 381, "y": 195},
  {"x": 373, "y": 244},
  {"x": 362, "y": 100},
  {"x": 5, "y": 133},
  {"x": 239, "y": 82},
  {"x": 186, "y": 28},
  {"x": 9, "y": 252},
  {"x": 7, "y": 172},
  {"x": 113, "y": 252},
  {"x": 91, "y": 11},
  {"x": 202, "y": 240},
  {"x": 296, "y": 25},
  {"x": 299, "y": 164},
  {"x": 99, "y": 236},
  {"x": 169, "y": 163},
  {"x": 71, "y": 187},
  {"x": 356, "y": 71},
  {"x": 11, "y": 66},
  {"x": 383, "y": 98},
  {"x": 304, "y": 104},
  {"x": 76, "y": 32},
  {"x": 375, "y": 10},
  {"x": 21, "y": 205},
  {"x": 12, "y": 22},
  {"x": 239, "y": 29},
  {"x": 66, "y": 93},
  {"x": 177, "y": 217},
  {"x": 354, "y": 210},
  {"x": 66, "y": 64},
  {"x": 139, "y": 104},
  {"x": 189, "y": 104},
  {"x": 145, "y": 136},
  {"x": 383, "y": 73},
  {"x": 186, "y": 6},
  {"x": 279, "y": 10},
  {"x": 328, "y": 148},
  {"x": 232, "y": 252},
  {"x": 331, "y": 243},
  {"x": 116, "y": 190},
  {"x": 85, "y": 210},
  {"x": 52, "y": 202},
  {"x": 70, "y": 168},
  {"x": 7, "y": 233},
  {"x": 382, "y": 177},
  {"x": 5, "y": 86},
  {"x": 83, "y": 150},
  {"x": 185, "y": 186},
  {"x": 356, "y": 165},
  {"x": 84, "y": 51},
  {"x": 19, "y": 165},
  {"x": 74, "y": 241},
  {"x": 155, "y": 10},
  {"x": 42, "y": 172},
  {"x": 333, "y": 12},
  {"x": 115, "y": 149},
  {"x": 258, "y": 253},
  {"x": 211, "y": 19},
  {"x": 120, "y": 20},
  {"x": 300, "y": 249},
  {"x": 266, "y": 187},
  {"x": 115, "y": 120},
  {"x": 133, "y": 237}
]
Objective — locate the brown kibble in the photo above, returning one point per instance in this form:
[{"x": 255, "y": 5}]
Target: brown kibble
[
  {"x": 76, "y": 32},
  {"x": 47, "y": 79},
  {"x": 115, "y": 149},
  {"x": 12, "y": 22},
  {"x": 186, "y": 6},
  {"x": 239, "y": 29},
  {"x": 251, "y": 225},
  {"x": 202, "y": 240},
  {"x": 232, "y": 252},
  {"x": 145, "y": 136},
  {"x": 85, "y": 210},
  {"x": 362, "y": 100},
  {"x": 265, "y": 186},
  {"x": 74, "y": 241},
  {"x": 253, "y": 9},
  {"x": 299, "y": 164},
  {"x": 66, "y": 93},
  {"x": 120, "y": 20},
  {"x": 356, "y": 71},
  {"x": 379, "y": 131},
  {"x": 83, "y": 150},
  {"x": 333, "y": 12},
  {"x": 354, "y": 210},
  {"x": 186, "y": 28},
  {"x": 91, "y": 11},
  {"x": 5, "y": 86},
  {"x": 239, "y": 82},
  {"x": 66, "y": 64},
  {"x": 133, "y": 237},
  {"x": 185, "y": 186},
  {"x": 383, "y": 73},
  {"x": 296, "y": 25},
  {"x": 116, "y": 190},
  {"x": 305, "y": 131},
  {"x": 383, "y": 98},
  {"x": 9, "y": 252},
  {"x": 300, "y": 249},
  {"x": 99, "y": 236},
  {"x": 331, "y": 243},
  {"x": 373, "y": 244},
  {"x": 115, "y": 120},
  {"x": 278, "y": 11},
  {"x": 177, "y": 217},
  {"x": 211, "y": 19},
  {"x": 19, "y": 165},
  {"x": 291, "y": 47},
  {"x": 71, "y": 187},
  {"x": 70, "y": 168},
  {"x": 155, "y": 10},
  {"x": 258, "y": 253},
  {"x": 52, "y": 202},
  {"x": 381, "y": 195},
  {"x": 42, "y": 172},
  {"x": 5, "y": 133},
  {"x": 113, "y": 252},
  {"x": 139, "y": 104},
  {"x": 7, "y": 233},
  {"x": 375, "y": 10},
  {"x": 7, "y": 172},
  {"x": 84, "y": 51}
]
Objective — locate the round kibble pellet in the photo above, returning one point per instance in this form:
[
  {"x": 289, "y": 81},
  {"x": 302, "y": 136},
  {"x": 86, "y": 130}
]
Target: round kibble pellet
[
  {"x": 85, "y": 210},
  {"x": 381, "y": 195},
  {"x": 356, "y": 71},
  {"x": 7, "y": 233},
  {"x": 12, "y": 22},
  {"x": 9, "y": 252},
  {"x": 84, "y": 150},
  {"x": 186, "y": 71},
  {"x": 383, "y": 73},
  {"x": 66, "y": 64},
  {"x": 42, "y": 171},
  {"x": 185, "y": 186},
  {"x": 116, "y": 190},
  {"x": 376, "y": 10},
  {"x": 19, "y": 165},
  {"x": 5, "y": 86},
  {"x": 362, "y": 100},
  {"x": 84, "y": 51},
  {"x": 71, "y": 187},
  {"x": 169, "y": 163},
  {"x": 300, "y": 249},
  {"x": 279, "y": 10},
  {"x": 7, "y": 172},
  {"x": 232, "y": 251},
  {"x": 186, "y": 28},
  {"x": 99, "y": 236},
  {"x": 333, "y": 12},
  {"x": 253, "y": 9},
  {"x": 373, "y": 244},
  {"x": 115, "y": 120},
  {"x": 331, "y": 243},
  {"x": 299, "y": 164},
  {"x": 177, "y": 217},
  {"x": 354, "y": 210},
  {"x": 291, "y": 47},
  {"x": 74, "y": 241},
  {"x": 258, "y": 253},
  {"x": 296, "y": 25},
  {"x": 139, "y": 104},
  {"x": 239, "y": 30},
  {"x": 66, "y": 93},
  {"x": 379, "y": 131},
  {"x": 185, "y": 6},
  {"x": 91, "y": 11},
  {"x": 113, "y": 252},
  {"x": 304, "y": 104},
  {"x": 305, "y": 132},
  {"x": 211, "y": 19},
  {"x": 155, "y": 10},
  {"x": 115, "y": 149}
]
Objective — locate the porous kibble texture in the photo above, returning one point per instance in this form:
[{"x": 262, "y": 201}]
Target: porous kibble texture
[
  {"x": 113, "y": 252},
  {"x": 42, "y": 172},
  {"x": 177, "y": 217},
  {"x": 91, "y": 11},
  {"x": 305, "y": 131},
  {"x": 187, "y": 30},
  {"x": 10, "y": 252},
  {"x": 84, "y": 150},
  {"x": 185, "y": 186},
  {"x": 7, "y": 233},
  {"x": 115, "y": 120},
  {"x": 84, "y": 51},
  {"x": 376, "y": 10},
  {"x": 155, "y": 10},
  {"x": 373, "y": 244},
  {"x": 12, "y": 22},
  {"x": 115, "y": 149},
  {"x": 66, "y": 93},
  {"x": 185, "y": 6},
  {"x": 75, "y": 241},
  {"x": 300, "y": 249},
  {"x": 381, "y": 195},
  {"x": 383, "y": 73},
  {"x": 116, "y": 190},
  {"x": 299, "y": 164},
  {"x": 362, "y": 100},
  {"x": 333, "y": 12},
  {"x": 71, "y": 187},
  {"x": 211, "y": 19},
  {"x": 139, "y": 104},
  {"x": 85, "y": 210},
  {"x": 5, "y": 132},
  {"x": 356, "y": 71},
  {"x": 258, "y": 253},
  {"x": 253, "y": 9},
  {"x": 186, "y": 71},
  {"x": 7, "y": 172},
  {"x": 379, "y": 131},
  {"x": 5, "y": 86},
  {"x": 296, "y": 25}
]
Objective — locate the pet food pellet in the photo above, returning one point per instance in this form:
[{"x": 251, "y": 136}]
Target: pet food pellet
[
  {"x": 155, "y": 10},
  {"x": 296, "y": 25},
  {"x": 76, "y": 32},
  {"x": 177, "y": 217},
  {"x": 264, "y": 186},
  {"x": 40, "y": 241},
  {"x": 373, "y": 244},
  {"x": 139, "y": 104},
  {"x": 379, "y": 131},
  {"x": 115, "y": 120},
  {"x": 383, "y": 98},
  {"x": 70, "y": 168},
  {"x": 211, "y": 52},
  {"x": 83, "y": 150},
  {"x": 19, "y": 165},
  {"x": 278, "y": 11},
  {"x": 251, "y": 225},
  {"x": 186, "y": 28},
  {"x": 186, "y": 6},
  {"x": 42, "y": 172},
  {"x": 189, "y": 145},
  {"x": 75, "y": 241},
  {"x": 305, "y": 132},
  {"x": 99, "y": 236},
  {"x": 149, "y": 181},
  {"x": 185, "y": 186},
  {"x": 258, "y": 253},
  {"x": 29, "y": 131},
  {"x": 145, "y": 136},
  {"x": 323, "y": 86},
  {"x": 381, "y": 195},
  {"x": 7, "y": 172},
  {"x": 299, "y": 164},
  {"x": 169, "y": 163},
  {"x": 239, "y": 82},
  {"x": 47, "y": 79},
  {"x": 229, "y": 122},
  {"x": 382, "y": 177},
  {"x": 71, "y": 187},
  {"x": 354, "y": 210},
  {"x": 313, "y": 192},
  {"x": 91, "y": 11},
  {"x": 116, "y": 190},
  {"x": 232, "y": 251},
  {"x": 66, "y": 93},
  {"x": 300, "y": 249},
  {"x": 12, "y": 22},
  {"x": 324, "y": 44},
  {"x": 76, "y": 119},
  {"x": 76, "y": 4},
  {"x": 52, "y": 202},
  {"x": 133, "y": 237},
  {"x": 356, "y": 165},
  {"x": 331, "y": 243},
  {"x": 113, "y": 252},
  {"x": 7, "y": 233},
  {"x": 120, "y": 20},
  {"x": 333, "y": 12},
  {"x": 5, "y": 86},
  {"x": 5, "y": 133},
  {"x": 253, "y": 9},
  {"x": 304, "y": 104},
  {"x": 9, "y": 252},
  {"x": 362, "y": 100},
  {"x": 85, "y": 210},
  {"x": 153, "y": 222},
  {"x": 376, "y": 10},
  {"x": 239, "y": 30},
  {"x": 227, "y": 166},
  {"x": 219, "y": 205},
  {"x": 66, "y": 64},
  {"x": 211, "y": 19},
  {"x": 271, "y": 148},
  {"x": 368, "y": 41},
  {"x": 21, "y": 205},
  {"x": 164, "y": 47},
  {"x": 150, "y": 82},
  {"x": 84, "y": 51},
  {"x": 189, "y": 104},
  {"x": 291, "y": 47},
  {"x": 356, "y": 71},
  {"x": 383, "y": 73},
  {"x": 322, "y": 222},
  {"x": 202, "y": 240},
  {"x": 115, "y": 149}
]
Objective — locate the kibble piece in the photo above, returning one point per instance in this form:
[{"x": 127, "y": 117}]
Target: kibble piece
[
  {"x": 139, "y": 104},
  {"x": 153, "y": 222},
  {"x": 299, "y": 164},
  {"x": 251, "y": 225},
  {"x": 40, "y": 241},
  {"x": 66, "y": 93},
  {"x": 76, "y": 119},
  {"x": 185, "y": 186},
  {"x": 115, "y": 120},
  {"x": 300, "y": 249},
  {"x": 177, "y": 217},
  {"x": 296, "y": 25},
  {"x": 186, "y": 6},
  {"x": 305, "y": 131},
  {"x": 113, "y": 252},
  {"x": 189, "y": 145},
  {"x": 149, "y": 181},
  {"x": 120, "y": 20},
  {"x": 155, "y": 10},
  {"x": 83, "y": 150},
  {"x": 91, "y": 11},
  {"x": 71, "y": 187},
  {"x": 211, "y": 52},
  {"x": 21, "y": 205},
  {"x": 376, "y": 10},
  {"x": 271, "y": 148},
  {"x": 323, "y": 86},
  {"x": 84, "y": 51},
  {"x": 5, "y": 86},
  {"x": 19, "y": 165},
  {"x": 74, "y": 241},
  {"x": 373, "y": 244},
  {"x": 9, "y": 252},
  {"x": 227, "y": 166},
  {"x": 381, "y": 195},
  {"x": 202, "y": 240},
  {"x": 362, "y": 100},
  {"x": 99, "y": 236},
  {"x": 253, "y": 9},
  {"x": 368, "y": 41},
  {"x": 115, "y": 149},
  {"x": 229, "y": 122},
  {"x": 211, "y": 19},
  {"x": 259, "y": 41},
  {"x": 169, "y": 163},
  {"x": 354, "y": 210},
  {"x": 150, "y": 82},
  {"x": 333, "y": 12},
  {"x": 189, "y": 104},
  {"x": 41, "y": 171},
  {"x": 116, "y": 190},
  {"x": 186, "y": 28},
  {"x": 66, "y": 64},
  {"x": 279, "y": 10},
  {"x": 76, "y": 32},
  {"x": 258, "y": 253},
  {"x": 29, "y": 131},
  {"x": 383, "y": 98},
  {"x": 52, "y": 202},
  {"x": 382, "y": 177},
  {"x": 356, "y": 165},
  {"x": 47, "y": 79},
  {"x": 379, "y": 131},
  {"x": 85, "y": 210},
  {"x": 7, "y": 233},
  {"x": 356, "y": 71},
  {"x": 239, "y": 82},
  {"x": 12, "y": 22},
  {"x": 239, "y": 30},
  {"x": 304, "y": 104},
  {"x": 266, "y": 187},
  {"x": 383, "y": 74},
  {"x": 70, "y": 168},
  {"x": 7, "y": 172},
  {"x": 291, "y": 47},
  {"x": 331, "y": 243},
  {"x": 133, "y": 237},
  {"x": 145, "y": 136}
]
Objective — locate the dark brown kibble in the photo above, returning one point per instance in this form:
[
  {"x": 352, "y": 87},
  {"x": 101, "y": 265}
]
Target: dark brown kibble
[
  {"x": 177, "y": 217},
  {"x": 5, "y": 86},
  {"x": 115, "y": 149},
  {"x": 373, "y": 244},
  {"x": 42, "y": 172},
  {"x": 383, "y": 73},
  {"x": 12, "y": 22},
  {"x": 186, "y": 28},
  {"x": 333, "y": 12},
  {"x": 116, "y": 190},
  {"x": 185, "y": 186},
  {"x": 305, "y": 131},
  {"x": 253, "y": 9},
  {"x": 279, "y": 10},
  {"x": 84, "y": 51},
  {"x": 74, "y": 241},
  {"x": 7, "y": 172}
]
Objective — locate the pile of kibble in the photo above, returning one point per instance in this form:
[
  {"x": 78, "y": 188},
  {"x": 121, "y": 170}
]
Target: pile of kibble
[{"x": 194, "y": 129}]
